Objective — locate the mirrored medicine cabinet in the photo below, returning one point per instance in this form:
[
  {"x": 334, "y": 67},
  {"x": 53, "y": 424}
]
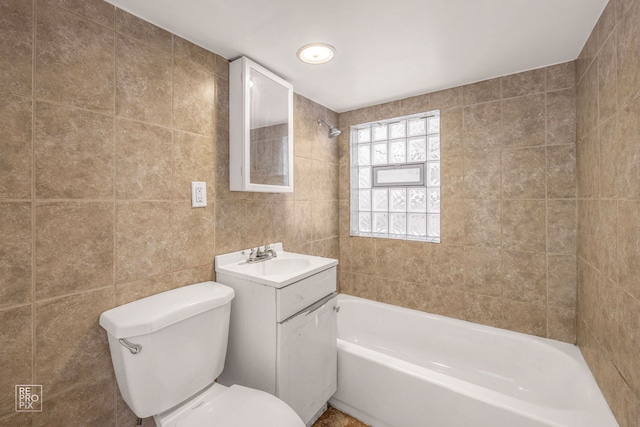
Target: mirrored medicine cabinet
[{"x": 260, "y": 129}]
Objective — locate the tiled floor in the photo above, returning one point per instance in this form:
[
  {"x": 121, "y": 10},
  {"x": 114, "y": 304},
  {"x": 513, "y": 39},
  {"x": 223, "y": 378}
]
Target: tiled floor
[{"x": 334, "y": 418}]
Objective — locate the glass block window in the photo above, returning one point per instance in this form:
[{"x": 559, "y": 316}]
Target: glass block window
[{"x": 395, "y": 178}]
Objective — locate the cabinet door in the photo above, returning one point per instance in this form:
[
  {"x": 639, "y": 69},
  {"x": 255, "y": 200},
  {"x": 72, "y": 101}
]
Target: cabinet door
[{"x": 307, "y": 358}]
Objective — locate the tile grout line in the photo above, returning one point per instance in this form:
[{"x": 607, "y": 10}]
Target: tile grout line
[
  {"x": 114, "y": 208},
  {"x": 114, "y": 154},
  {"x": 173, "y": 131},
  {"x": 109, "y": 114},
  {"x": 77, "y": 15},
  {"x": 33, "y": 196},
  {"x": 546, "y": 200},
  {"x": 464, "y": 216},
  {"x": 172, "y": 159},
  {"x": 501, "y": 149}
]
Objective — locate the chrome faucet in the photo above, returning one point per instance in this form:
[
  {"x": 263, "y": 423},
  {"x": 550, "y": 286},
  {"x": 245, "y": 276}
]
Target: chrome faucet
[
  {"x": 258, "y": 255},
  {"x": 269, "y": 251}
]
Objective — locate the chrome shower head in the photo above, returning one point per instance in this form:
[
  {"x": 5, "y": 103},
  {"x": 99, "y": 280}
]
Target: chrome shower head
[{"x": 333, "y": 131}]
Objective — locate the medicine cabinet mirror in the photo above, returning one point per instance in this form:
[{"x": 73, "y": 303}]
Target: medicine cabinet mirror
[{"x": 260, "y": 129}]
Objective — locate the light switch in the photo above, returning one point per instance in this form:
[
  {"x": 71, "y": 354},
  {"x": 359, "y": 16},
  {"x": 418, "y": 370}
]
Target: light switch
[{"x": 198, "y": 194}]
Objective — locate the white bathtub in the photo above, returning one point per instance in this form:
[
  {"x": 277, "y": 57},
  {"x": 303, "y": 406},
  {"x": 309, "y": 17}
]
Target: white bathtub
[{"x": 404, "y": 368}]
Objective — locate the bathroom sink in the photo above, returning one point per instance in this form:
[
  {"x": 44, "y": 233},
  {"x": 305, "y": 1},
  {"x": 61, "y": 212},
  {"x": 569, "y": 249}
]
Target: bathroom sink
[
  {"x": 275, "y": 266},
  {"x": 286, "y": 268}
]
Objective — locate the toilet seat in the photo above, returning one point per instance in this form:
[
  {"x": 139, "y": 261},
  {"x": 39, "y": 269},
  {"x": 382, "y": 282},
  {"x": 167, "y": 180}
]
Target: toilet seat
[{"x": 236, "y": 406}]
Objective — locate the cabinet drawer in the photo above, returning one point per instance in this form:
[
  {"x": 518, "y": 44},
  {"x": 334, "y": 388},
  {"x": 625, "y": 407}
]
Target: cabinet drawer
[{"x": 299, "y": 295}]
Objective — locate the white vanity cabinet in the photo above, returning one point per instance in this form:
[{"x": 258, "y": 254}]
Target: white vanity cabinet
[{"x": 282, "y": 333}]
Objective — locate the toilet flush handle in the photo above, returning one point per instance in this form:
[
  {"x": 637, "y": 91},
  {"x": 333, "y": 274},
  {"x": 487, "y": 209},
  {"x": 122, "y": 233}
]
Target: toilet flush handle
[{"x": 133, "y": 348}]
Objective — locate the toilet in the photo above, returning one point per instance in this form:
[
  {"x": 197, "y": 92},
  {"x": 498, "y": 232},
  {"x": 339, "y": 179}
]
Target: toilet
[{"x": 167, "y": 351}]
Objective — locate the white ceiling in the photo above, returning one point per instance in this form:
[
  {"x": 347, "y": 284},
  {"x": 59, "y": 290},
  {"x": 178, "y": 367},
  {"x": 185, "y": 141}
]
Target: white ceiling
[{"x": 386, "y": 49}]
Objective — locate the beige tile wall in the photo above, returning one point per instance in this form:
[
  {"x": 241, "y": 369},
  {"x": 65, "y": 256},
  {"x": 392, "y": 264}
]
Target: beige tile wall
[
  {"x": 104, "y": 122},
  {"x": 608, "y": 149},
  {"x": 508, "y": 225}
]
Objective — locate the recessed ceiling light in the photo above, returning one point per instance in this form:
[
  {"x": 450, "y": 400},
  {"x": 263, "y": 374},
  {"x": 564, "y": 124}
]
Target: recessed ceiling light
[{"x": 316, "y": 53}]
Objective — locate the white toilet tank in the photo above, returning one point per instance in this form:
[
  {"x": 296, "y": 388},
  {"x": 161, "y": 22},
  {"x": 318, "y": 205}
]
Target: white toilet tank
[{"x": 183, "y": 337}]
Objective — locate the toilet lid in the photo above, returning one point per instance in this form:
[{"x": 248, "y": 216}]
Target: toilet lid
[{"x": 242, "y": 407}]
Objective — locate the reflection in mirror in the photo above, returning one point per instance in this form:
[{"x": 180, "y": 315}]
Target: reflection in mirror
[{"x": 269, "y": 135}]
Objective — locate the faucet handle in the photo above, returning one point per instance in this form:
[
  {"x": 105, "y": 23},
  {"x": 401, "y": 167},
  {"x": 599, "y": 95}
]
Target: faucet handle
[{"x": 267, "y": 249}]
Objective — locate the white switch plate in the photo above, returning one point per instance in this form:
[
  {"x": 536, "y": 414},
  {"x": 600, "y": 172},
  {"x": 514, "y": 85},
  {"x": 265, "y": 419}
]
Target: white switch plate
[{"x": 198, "y": 194}]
